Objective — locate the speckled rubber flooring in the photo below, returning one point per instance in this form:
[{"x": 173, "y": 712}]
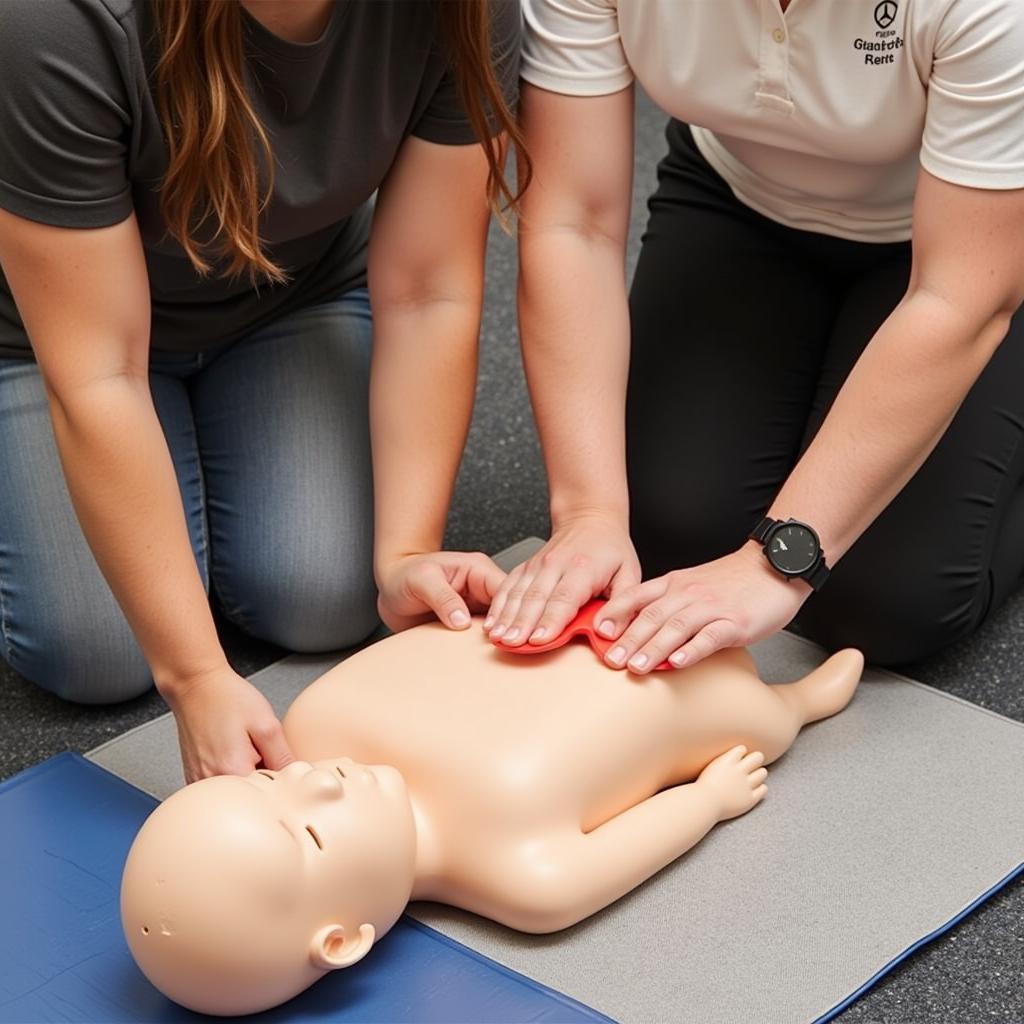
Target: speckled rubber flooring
[{"x": 974, "y": 974}]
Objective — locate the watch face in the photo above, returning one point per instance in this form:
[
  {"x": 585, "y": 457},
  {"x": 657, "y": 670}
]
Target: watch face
[{"x": 793, "y": 548}]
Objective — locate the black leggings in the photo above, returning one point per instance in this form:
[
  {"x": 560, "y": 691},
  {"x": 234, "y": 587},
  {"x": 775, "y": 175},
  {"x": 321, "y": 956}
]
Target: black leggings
[{"x": 743, "y": 332}]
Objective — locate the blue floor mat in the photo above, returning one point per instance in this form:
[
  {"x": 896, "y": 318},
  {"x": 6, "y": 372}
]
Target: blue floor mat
[{"x": 65, "y": 829}]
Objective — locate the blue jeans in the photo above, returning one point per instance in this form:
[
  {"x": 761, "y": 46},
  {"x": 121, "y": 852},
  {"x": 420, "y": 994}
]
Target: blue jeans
[{"x": 270, "y": 441}]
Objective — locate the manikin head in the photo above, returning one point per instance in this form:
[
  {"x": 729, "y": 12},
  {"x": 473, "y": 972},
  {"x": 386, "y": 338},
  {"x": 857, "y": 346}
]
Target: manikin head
[{"x": 240, "y": 892}]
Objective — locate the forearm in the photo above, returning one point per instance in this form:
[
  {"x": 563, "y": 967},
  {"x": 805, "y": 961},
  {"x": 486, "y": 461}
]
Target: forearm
[
  {"x": 575, "y": 337},
  {"x": 423, "y": 381},
  {"x": 574, "y": 319},
  {"x": 891, "y": 412},
  {"x": 122, "y": 482}
]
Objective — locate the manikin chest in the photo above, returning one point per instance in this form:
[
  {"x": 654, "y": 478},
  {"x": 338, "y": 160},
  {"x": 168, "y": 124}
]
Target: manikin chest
[{"x": 493, "y": 735}]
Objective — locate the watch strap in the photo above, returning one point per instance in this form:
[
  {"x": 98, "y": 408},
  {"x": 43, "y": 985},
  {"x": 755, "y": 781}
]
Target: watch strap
[
  {"x": 761, "y": 531},
  {"x": 818, "y": 574}
]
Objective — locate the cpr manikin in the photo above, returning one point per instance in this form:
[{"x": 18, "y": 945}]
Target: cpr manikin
[{"x": 531, "y": 791}]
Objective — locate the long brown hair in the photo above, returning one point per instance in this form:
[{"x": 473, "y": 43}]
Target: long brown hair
[{"x": 215, "y": 140}]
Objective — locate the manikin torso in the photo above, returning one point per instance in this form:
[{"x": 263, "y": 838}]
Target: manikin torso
[
  {"x": 506, "y": 743},
  {"x": 509, "y": 764}
]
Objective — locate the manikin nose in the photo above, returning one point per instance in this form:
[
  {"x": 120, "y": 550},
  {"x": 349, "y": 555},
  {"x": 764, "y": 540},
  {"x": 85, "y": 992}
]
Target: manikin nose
[
  {"x": 322, "y": 784},
  {"x": 311, "y": 782}
]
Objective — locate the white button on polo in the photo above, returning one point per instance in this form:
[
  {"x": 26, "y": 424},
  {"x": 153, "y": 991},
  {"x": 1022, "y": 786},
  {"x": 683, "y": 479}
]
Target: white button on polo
[{"x": 779, "y": 36}]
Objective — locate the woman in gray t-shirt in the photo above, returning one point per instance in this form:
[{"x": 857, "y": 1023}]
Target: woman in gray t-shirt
[{"x": 196, "y": 328}]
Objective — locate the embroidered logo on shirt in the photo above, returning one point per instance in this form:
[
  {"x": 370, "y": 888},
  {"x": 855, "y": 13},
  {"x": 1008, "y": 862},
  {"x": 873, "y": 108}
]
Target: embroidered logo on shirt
[
  {"x": 883, "y": 48},
  {"x": 885, "y": 13}
]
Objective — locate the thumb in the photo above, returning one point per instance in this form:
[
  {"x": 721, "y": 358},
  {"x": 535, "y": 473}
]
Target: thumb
[
  {"x": 431, "y": 586},
  {"x": 273, "y": 747}
]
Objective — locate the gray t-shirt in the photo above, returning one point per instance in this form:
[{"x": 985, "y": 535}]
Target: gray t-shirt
[{"x": 81, "y": 143}]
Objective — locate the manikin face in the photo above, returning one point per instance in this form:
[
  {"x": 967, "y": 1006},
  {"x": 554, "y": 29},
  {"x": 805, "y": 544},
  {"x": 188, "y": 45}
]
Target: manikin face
[
  {"x": 330, "y": 811},
  {"x": 240, "y": 892}
]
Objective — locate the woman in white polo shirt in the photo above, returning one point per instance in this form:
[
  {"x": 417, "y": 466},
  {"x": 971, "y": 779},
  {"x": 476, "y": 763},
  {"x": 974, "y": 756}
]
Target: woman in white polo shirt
[{"x": 822, "y": 320}]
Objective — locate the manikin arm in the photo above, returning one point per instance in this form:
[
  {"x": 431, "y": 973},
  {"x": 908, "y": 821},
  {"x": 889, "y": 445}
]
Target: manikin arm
[{"x": 592, "y": 870}]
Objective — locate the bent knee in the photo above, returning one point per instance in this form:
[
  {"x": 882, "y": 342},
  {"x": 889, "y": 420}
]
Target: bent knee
[
  {"x": 88, "y": 668},
  {"x": 884, "y": 644},
  {"x": 310, "y": 618},
  {"x": 891, "y": 625},
  {"x": 332, "y": 628}
]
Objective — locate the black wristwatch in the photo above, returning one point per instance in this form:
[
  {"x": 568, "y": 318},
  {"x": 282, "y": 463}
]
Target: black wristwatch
[{"x": 792, "y": 549}]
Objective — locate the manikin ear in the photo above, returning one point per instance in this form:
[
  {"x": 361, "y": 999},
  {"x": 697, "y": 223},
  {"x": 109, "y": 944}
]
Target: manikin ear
[{"x": 331, "y": 948}]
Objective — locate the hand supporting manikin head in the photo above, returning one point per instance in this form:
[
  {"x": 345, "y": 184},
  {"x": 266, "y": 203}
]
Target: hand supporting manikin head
[
  {"x": 530, "y": 791},
  {"x": 240, "y": 892}
]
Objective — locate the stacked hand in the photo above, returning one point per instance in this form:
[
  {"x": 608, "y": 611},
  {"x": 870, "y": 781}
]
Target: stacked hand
[
  {"x": 586, "y": 557},
  {"x": 681, "y": 617},
  {"x": 688, "y": 614}
]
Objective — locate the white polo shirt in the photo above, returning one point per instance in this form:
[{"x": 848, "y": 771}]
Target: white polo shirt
[{"x": 817, "y": 117}]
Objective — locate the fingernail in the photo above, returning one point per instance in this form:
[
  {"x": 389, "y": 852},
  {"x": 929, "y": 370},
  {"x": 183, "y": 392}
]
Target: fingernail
[
  {"x": 607, "y": 628},
  {"x": 512, "y": 634},
  {"x": 458, "y": 618},
  {"x": 617, "y": 655},
  {"x": 639, "y": 662},
  {"x": 488, "y": 622},
  {"x": 678, "y": 659},
  {"x": 496, "y": 632},
  {"x": 538, "y": 634}
]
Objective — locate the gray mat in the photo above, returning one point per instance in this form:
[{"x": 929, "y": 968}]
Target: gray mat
[{"x": 880, "y": 826}]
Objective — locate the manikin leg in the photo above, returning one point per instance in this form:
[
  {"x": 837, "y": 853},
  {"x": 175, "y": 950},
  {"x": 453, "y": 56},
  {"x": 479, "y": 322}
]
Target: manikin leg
[{"x": 820, "y": 694}]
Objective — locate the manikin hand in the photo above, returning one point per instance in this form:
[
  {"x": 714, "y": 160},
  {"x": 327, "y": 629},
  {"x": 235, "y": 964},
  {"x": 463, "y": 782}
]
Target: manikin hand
[
  {"x": 688, "y": 614},
  {"x": 447, "y": 584},
  {"x": 226, "y": 727},
  {"x": 736, "y": 781},
  {"x": 586, "y": 556}
]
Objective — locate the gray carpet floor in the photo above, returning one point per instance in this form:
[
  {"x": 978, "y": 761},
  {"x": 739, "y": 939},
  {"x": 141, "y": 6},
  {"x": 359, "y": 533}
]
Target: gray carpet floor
[{"x": 974, "y": 974}]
